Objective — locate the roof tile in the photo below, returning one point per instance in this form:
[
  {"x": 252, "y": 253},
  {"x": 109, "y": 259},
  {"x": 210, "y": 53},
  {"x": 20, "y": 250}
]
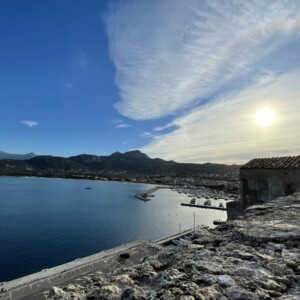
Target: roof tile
[{"x": 285, "y": 162}]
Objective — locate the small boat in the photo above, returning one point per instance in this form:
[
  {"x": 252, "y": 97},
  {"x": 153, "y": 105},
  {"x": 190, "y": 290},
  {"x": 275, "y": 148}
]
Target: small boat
[
  {"x": 207, "y": 203},
  {"x": 88, "y": 188},
  {"x": 221, "y": 205},
  {"x": 193, "y": 201}
]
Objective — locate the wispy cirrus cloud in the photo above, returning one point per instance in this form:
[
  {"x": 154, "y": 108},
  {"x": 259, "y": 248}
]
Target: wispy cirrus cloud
[
  {"x": 30, "y": 123},
  {"x": 212, "y": 64},
  {"x": 123, "y": 125},
  {"x": 161, "y": 128},
  {"x": 226, "y": 132},
  {"x": 119, "y": 123},
  {"x": 147, "y": 134},
  {"x": 170, "y": 55}
]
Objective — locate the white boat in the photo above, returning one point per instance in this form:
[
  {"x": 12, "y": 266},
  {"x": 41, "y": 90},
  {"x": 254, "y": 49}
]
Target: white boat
[
  {"x": 193, "y": 201},
  {"x": 207, "y": 202}
]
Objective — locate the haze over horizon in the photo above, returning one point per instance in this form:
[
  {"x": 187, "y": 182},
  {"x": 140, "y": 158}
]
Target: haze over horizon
[{"x": 179, "y": 80}]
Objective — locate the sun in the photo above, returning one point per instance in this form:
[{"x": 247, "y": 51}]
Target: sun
[{"x": 265, "y": 117}]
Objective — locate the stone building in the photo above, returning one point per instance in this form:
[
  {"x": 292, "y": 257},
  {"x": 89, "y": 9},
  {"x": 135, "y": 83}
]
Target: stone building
[{"x": 263, "y": 179}]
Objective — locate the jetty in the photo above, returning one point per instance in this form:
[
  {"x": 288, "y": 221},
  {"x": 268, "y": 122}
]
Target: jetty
[
  {"x": 144, "y": 196},
  {"x": 203, "y": 206}
]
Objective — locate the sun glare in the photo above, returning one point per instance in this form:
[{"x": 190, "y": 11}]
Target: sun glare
[{"x": 265, "y": 117}]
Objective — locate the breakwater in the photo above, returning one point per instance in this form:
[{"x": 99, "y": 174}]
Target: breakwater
[{"x": 144, "y": 196}]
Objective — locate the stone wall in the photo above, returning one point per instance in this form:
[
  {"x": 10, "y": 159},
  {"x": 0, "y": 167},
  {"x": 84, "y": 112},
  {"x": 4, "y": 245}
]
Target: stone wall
[
  {"x": 234, "y": 209},
  {"x": 262, "y": 185}
]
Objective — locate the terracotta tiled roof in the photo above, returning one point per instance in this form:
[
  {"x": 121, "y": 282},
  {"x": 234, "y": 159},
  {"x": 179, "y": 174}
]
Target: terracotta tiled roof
[{"x": 286, "y": 162}]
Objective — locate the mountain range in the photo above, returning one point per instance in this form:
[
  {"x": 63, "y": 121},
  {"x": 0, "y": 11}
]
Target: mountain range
[{"x": 132, "y": 162}]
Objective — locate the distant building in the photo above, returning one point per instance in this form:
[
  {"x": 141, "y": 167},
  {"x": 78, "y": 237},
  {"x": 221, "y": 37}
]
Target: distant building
[{"x": 263, "y": 179}]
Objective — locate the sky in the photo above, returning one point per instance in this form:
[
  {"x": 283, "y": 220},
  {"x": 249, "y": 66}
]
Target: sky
[{"x": 179, "y": 80}]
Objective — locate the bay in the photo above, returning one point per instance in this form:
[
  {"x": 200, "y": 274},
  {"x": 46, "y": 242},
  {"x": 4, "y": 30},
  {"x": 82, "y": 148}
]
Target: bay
[{"x": 47, "y": 222}]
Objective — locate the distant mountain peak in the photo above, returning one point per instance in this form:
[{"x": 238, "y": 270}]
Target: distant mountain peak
[
  {"x": 6, "y": 155},
  {"x": 117, "y": 153},
  {"x": 136, "y": 153}
]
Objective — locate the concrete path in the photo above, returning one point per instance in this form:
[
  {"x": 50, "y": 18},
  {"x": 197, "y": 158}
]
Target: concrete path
[{"x": 36, "y": 286}]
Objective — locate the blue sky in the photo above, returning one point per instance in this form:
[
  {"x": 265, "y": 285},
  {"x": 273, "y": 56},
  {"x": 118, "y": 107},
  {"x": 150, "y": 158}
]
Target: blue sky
[{"x": 179, "y": 80}]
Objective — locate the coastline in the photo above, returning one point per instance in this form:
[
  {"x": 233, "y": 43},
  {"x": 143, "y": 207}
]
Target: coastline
[
  {"x": 254, "y": 257},
  {"x": 242, "y": 259},
  {"x": 37, "y": 284}
]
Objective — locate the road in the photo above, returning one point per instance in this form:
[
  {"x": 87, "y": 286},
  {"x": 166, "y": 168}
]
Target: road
[{"x": 36, "y": 286}]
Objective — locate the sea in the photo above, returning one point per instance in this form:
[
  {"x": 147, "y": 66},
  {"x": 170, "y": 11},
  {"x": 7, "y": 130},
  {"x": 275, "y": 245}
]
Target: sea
[{"x": 47, "y": 222}]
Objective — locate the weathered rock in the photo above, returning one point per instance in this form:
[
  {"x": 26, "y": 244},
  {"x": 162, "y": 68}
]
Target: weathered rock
[
  {"x": 133, "y": 294},
  {"x": 68, "y": 293},
  {"x": 225, "y": 281},
  {"x": 255, "y": 257},
  {"x": 110, "y": 292},
  {"x": 240, "y": 294}
]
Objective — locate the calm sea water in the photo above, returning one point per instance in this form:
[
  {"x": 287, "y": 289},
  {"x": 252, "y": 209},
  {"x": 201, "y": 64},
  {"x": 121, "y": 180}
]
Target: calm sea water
[{"x": 47, "y": 222}]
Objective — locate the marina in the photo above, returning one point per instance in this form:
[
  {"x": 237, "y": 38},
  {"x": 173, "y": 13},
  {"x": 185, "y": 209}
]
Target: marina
[
  {"x": 100, "y": 218},
  {"x": 205, "y": 193}
]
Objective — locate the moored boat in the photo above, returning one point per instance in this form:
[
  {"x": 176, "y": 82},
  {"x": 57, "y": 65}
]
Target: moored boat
[{"x": 207, "y": 202}]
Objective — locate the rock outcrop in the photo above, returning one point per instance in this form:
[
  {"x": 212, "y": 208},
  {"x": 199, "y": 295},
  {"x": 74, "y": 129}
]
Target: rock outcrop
[{"x": 254, "y": 257}]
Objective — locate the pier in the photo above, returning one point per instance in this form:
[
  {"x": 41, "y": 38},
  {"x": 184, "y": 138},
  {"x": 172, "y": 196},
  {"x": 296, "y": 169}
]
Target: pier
[
  {"x": 144, "y": 195},
  {"x": 204, "y": 206}
]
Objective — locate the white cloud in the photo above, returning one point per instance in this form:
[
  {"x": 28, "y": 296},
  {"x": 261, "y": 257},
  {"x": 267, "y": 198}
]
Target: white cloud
[
  {"x": 226, "y": 131},
  {"x": 164, "y": 127},
  {"x": 122, "y": 126},
  {"x": 30, "y": 123},
  {"x": 147, "y": 134},
  {"x": 170, "y": 55}
]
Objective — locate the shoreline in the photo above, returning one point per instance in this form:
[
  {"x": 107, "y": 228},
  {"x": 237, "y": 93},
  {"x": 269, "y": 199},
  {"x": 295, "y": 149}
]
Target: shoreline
[
  {"x": 254, "y": 257},
  {"x": 99, "y": 263}
]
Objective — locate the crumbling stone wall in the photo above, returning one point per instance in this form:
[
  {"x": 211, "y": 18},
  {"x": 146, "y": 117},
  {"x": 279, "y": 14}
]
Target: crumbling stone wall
[{"x": 258, "y": 186}]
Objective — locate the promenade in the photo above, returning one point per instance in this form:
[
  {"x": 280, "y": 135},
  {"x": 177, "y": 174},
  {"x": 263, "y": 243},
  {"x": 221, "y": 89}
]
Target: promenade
[{"x": 36, "y": 286}]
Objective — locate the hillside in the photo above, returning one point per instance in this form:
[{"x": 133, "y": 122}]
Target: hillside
[{"x": 132, "y": 162}]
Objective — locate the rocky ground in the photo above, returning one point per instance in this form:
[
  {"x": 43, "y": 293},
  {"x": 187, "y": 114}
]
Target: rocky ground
[{"x": 255, "y": 257}]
